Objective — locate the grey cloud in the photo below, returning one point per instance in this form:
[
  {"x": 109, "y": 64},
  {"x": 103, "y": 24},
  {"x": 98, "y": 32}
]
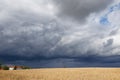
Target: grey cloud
[
  {"x": 25, "y": 32},
  {"x": 80, "y": 9},
  {"x": 114, "y": 32},
  {"x": 109, "y": 42}
]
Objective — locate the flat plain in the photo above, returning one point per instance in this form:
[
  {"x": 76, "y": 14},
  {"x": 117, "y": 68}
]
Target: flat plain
[{"x": 62, "y": 74}]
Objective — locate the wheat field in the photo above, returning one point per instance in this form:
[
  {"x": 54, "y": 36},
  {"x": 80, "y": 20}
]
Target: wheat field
[{"x": 62, "y": 74}]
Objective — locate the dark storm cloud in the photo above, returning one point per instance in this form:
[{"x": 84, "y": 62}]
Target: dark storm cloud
[
  {"x": 32, "y": 35},
  {"x": 80, "y": 9},
  {"x": 25, "y": 32},
  {"x": 81, "y": 61},
  {"x": 31, "y": 30}
]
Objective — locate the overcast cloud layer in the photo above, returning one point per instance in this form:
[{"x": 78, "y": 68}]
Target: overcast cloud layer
[
  {"x": 80, "y": 9},
  {"x": 73, "y": 32}
]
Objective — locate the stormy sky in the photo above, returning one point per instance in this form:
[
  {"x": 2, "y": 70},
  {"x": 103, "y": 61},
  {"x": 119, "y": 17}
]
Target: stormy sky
[{"x": 60, "y": 33}]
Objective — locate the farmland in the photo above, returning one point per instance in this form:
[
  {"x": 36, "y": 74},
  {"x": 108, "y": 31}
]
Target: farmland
[{"x": 62, "y": 74}]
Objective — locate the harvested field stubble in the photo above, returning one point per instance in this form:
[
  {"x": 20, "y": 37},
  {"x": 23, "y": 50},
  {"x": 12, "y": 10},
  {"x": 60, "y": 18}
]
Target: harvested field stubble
[{"x": 62, "y": 74}]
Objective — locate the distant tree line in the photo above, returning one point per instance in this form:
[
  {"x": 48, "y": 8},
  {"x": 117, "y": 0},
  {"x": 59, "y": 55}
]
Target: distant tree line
[
  {"x": 4, "y": 67},
  {"x": 26, "y": 67}
]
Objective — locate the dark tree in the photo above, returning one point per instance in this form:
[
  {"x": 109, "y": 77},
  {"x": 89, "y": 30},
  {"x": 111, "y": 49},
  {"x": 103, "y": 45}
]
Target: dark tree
[
  {"x": 25, "y": 67},
  {"x": 5, "y": 67},
  {"x": 0, "y": 65}
]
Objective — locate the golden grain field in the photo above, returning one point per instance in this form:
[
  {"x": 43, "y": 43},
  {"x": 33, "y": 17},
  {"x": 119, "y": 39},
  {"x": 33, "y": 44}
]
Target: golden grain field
[{"x": 62, "y": 74}]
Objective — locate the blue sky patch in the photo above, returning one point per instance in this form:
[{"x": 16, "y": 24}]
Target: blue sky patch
[{"x": 104, "y": 19}]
